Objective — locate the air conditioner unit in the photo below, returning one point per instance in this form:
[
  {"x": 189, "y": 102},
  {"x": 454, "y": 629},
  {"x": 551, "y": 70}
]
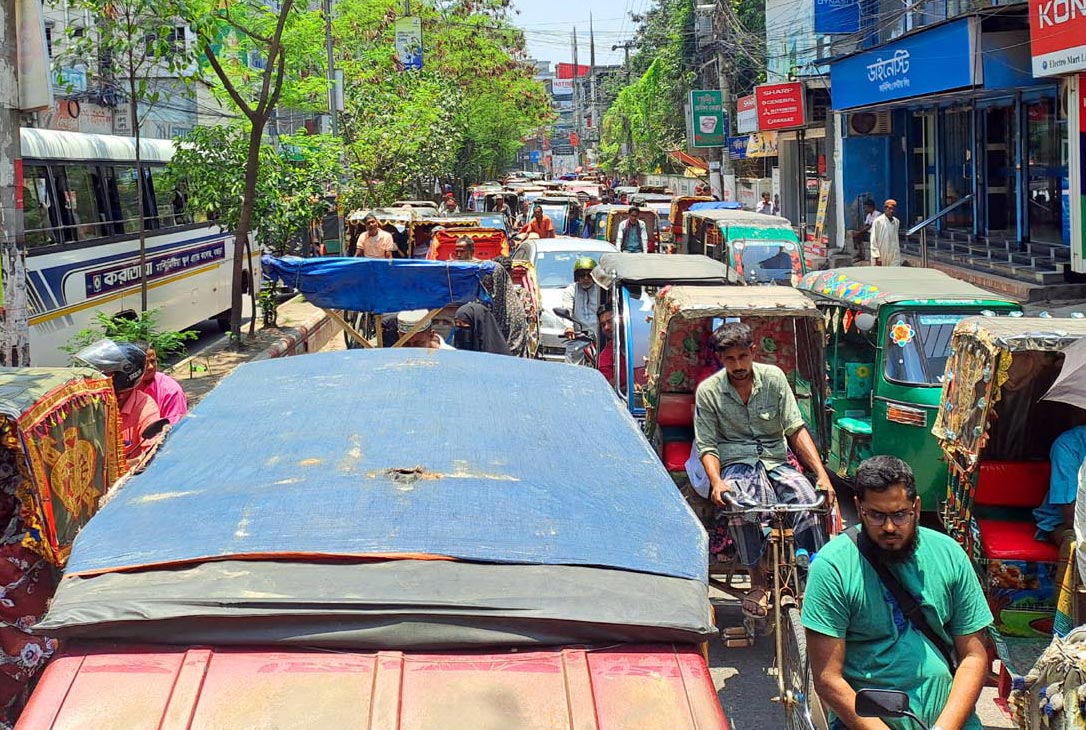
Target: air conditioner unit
[{"x": 863, "y": 124}]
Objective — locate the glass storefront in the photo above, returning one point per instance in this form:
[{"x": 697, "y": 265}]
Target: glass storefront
[
  {"x": 1046, "y": 149},
  {"x": 957, "y": 167}
]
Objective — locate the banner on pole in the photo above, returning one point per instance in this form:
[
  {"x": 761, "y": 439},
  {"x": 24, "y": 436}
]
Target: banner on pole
[
  {"x": 409, "y": 43},
  {"x": 707, "y": 114}
]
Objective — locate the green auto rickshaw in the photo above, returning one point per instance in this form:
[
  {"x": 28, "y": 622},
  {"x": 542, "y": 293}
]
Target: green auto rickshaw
[
  {"x": 889, "y": 331},
  {"x": 759, "y": 248}
]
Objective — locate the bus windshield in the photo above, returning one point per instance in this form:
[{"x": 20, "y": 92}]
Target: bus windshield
[{"x": 918, "y": 345}]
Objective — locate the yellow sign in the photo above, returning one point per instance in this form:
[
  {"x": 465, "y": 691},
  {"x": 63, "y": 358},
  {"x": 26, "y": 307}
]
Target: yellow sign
[{"x": 823, "y": 206}]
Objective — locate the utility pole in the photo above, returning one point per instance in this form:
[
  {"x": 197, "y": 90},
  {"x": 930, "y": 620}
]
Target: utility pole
[
  {"x": 14, "y": 329},
  {"x": 594, "y": 112},
  {"x": 626, "y": 46},
  {"x": 576, "y": 104},
  {"x": 333, "y": 108},
  {"x": 724, "y": 81}
]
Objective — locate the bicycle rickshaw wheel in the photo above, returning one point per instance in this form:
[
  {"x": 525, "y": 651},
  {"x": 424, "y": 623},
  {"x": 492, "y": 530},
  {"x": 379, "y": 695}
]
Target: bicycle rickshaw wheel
[{"x": 806, "y": 713}]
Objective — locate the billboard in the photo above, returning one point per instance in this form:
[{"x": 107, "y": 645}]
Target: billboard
[
  {"x": 780, "y": 106},
  {"x": 707, "y": 115},
  {"x": 836, "y": 16},
  {"x": 565, "y": 70},
  {"x": 409, "y": 43},
  {"x": 746, "y": 114},
  {"x": 1057, "y": 36},
  {"x": 562, "y": 87}
]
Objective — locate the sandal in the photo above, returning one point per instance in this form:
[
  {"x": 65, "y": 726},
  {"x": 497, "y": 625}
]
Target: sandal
[{"x": 756, "y": 607}]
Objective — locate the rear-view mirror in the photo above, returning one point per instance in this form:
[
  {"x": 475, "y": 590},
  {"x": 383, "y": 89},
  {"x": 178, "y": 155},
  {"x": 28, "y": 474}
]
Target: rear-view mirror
[
  {"x": 563, "y": 312},
  {"x": 882, "y": 703}
]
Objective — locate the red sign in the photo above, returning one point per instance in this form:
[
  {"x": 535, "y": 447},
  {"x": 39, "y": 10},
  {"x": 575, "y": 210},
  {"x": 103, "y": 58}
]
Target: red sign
[
  {"x": 574, "y": 139},
  {"x": 1057, "y": 35},
  {"x": 780, "y": 106},
  {"x": 565, "y": 70}
]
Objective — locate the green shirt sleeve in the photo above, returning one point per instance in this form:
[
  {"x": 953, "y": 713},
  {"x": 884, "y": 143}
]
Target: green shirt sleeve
[
  {"x": 791, "y": 418},
  {"x": 825, "y": 605},
  {"x": 970, "y": 613},
  {"x": 706, "y": 421}
]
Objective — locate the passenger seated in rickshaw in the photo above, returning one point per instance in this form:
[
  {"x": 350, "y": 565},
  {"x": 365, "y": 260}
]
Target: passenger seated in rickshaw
[
  {"x": 426, "y": 337},
  {"x": 509, "y": 304},
  {"x": 477, "y": 330},
  {"x": 465, "y": 248},
  {"x": 606, "y": 363},
  {"x": 745, "y": 420},
  {"x": 1056, "y": 515}
]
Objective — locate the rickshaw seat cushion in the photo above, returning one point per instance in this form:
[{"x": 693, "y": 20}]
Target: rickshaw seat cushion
[
  {"x": 1012, "y": 483},
  {"x": 675, "y": 409},
  {"x": 855, "y": 426},
  {"x": 1013, "y": 540},
  {"x": 676, "y": 454}
]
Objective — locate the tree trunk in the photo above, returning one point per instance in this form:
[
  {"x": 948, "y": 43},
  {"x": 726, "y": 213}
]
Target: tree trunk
[{"x": 252, "y": 168}]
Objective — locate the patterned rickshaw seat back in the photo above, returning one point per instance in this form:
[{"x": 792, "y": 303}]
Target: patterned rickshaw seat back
[{"x": 689, "y": 360}]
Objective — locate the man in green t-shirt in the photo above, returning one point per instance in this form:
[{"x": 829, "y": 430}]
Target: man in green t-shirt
[{"x": 857, "y": 635}]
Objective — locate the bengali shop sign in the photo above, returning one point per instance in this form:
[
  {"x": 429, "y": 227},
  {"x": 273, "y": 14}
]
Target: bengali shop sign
[
  {"x": 746, "y": 114},
  {"x": 780, "y": 106},
  {"x": 707, "y": 115},
  {"x": 126, "y": 274}
]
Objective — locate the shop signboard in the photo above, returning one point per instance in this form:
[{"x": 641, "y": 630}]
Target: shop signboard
[
  {"x": 823, "y": 208},
  {"x": 737, "y": 147},
  {"x": 746, "y": 114},
  {"x": 536, "y": 156},
  {"x": 836, "y": 16},
  {"x": 707, "y": 115},
  {"x": 1057, "y": 36},
  {"x": 780, "y": 106},
  {"x": 562, "y": 87},
  {"x": 932, "y": 61},
  {"x": 565, "y": 70}
]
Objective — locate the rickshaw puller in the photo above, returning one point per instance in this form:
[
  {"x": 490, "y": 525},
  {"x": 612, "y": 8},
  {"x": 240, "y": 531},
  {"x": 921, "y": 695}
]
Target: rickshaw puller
[{"x": 745, "y": 420}]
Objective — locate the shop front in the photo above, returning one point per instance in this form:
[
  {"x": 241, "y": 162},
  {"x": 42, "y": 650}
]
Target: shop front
[{"x": 951, "y": 123}]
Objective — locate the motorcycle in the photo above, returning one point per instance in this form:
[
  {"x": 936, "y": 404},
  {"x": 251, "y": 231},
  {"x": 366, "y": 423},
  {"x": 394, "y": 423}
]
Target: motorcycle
[{"x": 581, "y": 349}]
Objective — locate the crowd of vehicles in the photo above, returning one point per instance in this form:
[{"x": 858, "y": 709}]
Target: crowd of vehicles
[{"x": 179, "y": 599}]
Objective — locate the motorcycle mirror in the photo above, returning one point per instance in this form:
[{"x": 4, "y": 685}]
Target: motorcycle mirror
[
  {"x": 563, "y": 312},
  {"x": 865, "y": 321},
  {"x": 882, "y": 703},
  {"x": 155, "y": 428}
]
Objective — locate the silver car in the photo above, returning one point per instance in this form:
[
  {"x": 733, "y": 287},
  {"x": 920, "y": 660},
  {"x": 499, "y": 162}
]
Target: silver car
[{"x": 553, "y": 259}]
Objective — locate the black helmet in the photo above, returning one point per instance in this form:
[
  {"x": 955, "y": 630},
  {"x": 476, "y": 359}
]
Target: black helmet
[{"x": 122, "y": 361}]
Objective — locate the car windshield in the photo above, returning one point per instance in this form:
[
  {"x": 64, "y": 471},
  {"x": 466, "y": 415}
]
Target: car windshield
[
  {"x": 641, "y": 304},
  {"x": 918, "y": 345},
  {"x": 555, "y": 268},
  {"x": 765, "y": 261}
]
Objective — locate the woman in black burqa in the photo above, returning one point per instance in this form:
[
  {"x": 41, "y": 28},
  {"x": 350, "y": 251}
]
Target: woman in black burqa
[{"x": 477, "y": 330}]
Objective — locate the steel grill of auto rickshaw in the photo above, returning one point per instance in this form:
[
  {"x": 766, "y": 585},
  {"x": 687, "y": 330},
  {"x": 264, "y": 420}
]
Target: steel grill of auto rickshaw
[{"x": 399, "y": 498}]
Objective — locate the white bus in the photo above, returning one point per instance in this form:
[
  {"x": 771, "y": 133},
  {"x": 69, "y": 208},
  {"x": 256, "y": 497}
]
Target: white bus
[{"x": 82, "y": 236}]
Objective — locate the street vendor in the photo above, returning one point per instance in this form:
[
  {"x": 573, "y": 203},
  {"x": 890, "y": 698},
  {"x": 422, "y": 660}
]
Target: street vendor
[{"x": 746, "y": 419}]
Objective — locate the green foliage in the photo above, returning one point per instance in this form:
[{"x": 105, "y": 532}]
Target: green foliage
[
  {"x": 209, "y": 169},
  {"x": 142, "y": 328},
  {"x": 463, "y": 116}
]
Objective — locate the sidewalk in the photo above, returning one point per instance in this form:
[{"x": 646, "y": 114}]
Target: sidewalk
[{"x": 301, "y": 328}]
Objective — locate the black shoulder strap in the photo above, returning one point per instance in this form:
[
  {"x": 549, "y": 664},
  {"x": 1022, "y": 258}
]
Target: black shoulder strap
[{"x": 909, "y": 605}]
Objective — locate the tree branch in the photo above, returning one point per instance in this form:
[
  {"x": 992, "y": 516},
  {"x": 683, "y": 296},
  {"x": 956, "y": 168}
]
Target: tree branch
[
  {"x": 224, "y": 15},
  {"x": 232, "y": 90},
  {"x": 275, "y": 63}
]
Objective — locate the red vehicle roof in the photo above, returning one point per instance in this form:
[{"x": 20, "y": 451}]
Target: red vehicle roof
[{"x": 625, "y": 688}]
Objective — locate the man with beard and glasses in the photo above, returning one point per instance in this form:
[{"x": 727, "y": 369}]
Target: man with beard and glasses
[
  {"x": 857, "y": 635},
  {"x": 745, "y": 420}
]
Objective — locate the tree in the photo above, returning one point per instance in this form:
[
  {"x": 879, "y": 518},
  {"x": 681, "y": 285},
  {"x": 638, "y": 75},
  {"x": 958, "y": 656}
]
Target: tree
[
  {"x": 136, "y": 45},
  {"x": 250, "y": 46}
]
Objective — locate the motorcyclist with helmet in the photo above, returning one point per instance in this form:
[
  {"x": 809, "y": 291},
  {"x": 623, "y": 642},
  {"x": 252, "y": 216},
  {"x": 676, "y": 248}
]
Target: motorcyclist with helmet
[
  {"x": 125, "y": 363},
  {"x": 582, "y": 300}
]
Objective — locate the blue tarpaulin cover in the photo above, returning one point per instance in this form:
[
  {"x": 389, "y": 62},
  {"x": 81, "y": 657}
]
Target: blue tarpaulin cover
[
  {"x": 717, "y": 205},
  {"x": 403, "y": 452},
  {"x": 380, "y": 285}
]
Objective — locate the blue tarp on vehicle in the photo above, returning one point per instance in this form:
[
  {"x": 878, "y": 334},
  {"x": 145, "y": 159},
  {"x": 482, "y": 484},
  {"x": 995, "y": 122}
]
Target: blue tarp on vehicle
[
  {"x": 380, "y": 285},
  {"x": 397, "y": 453},
  {"x": 717, "y": 205}
]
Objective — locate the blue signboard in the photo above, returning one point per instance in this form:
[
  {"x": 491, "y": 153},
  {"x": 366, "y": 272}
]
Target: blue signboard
[
  {"x": 737, "y": 147},
  {"x": 837, "y": 16},
  {"x": 535, "y": 156},
  {"x": 934, "y": 60}
]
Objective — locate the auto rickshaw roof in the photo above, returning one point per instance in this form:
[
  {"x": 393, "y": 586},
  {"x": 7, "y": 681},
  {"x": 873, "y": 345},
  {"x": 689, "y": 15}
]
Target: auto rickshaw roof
[
  {"x": 649, "y": 269},
  {"x": 1022, "y": 334},
  {"x": 651, "y": 198},
  {"x": 692, "y": 302},
  {"x": 872, "y": 286},
  {"x": 742, "y": 217},
  {"x": 552, "y": 199},
  {"x": 22, "y": 388}
]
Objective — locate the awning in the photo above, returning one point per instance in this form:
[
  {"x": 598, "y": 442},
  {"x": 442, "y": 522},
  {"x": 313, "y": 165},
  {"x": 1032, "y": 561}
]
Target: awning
[{"x": 688, "y": 160}]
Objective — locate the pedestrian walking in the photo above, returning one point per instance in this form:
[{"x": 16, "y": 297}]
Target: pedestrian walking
[{"x": 885, "y": 249}]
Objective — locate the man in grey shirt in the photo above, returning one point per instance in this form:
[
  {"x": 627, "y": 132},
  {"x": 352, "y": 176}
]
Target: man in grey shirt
[{"x": 745, "y": 420}]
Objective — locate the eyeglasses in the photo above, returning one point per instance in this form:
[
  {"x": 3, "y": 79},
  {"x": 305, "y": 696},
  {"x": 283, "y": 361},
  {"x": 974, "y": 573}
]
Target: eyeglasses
[{"x": 899, "y": 518}]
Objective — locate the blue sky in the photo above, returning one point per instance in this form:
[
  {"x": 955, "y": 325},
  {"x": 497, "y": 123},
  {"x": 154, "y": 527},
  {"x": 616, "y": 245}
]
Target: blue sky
[{"x": 548, "y": 25}]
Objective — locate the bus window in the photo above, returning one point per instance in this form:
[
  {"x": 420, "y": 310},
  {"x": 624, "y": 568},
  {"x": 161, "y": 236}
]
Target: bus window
[
  {"x": 168, "y": 203},
  {"x": 126, "y": 192},
  {"x": 81, "y": 190},
  {"x": 39, "y": 210}
]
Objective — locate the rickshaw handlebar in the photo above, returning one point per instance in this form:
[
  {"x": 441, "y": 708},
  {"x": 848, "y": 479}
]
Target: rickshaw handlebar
[{"x": 732, "y": 508}]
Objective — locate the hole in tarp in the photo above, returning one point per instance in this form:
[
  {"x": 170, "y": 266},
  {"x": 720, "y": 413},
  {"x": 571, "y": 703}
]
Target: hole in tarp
[{"x": 409, "y": 475}]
